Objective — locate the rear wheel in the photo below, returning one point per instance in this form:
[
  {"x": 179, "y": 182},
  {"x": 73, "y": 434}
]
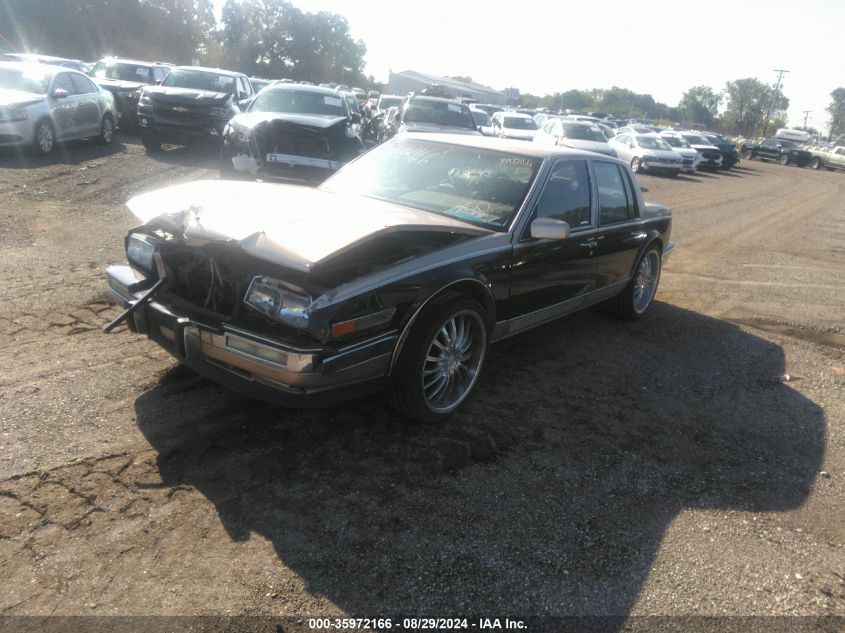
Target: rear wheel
[
  {"x": 637, "y": 165},
  {"x": 784, "y": 159},
  {"x": 638, "y": 295},
  {"x": 816, "y": 163},
  {"x": 106, "y": 131},
  {"x": 442, "y": 359}
]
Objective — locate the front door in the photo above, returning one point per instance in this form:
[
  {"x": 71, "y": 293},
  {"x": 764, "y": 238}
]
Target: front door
[
  {"x": 551, "y": 277},
  {"x": 63, "y": 109}
]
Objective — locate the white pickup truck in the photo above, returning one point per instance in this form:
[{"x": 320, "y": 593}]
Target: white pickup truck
[{"x": 832, "y": 158}]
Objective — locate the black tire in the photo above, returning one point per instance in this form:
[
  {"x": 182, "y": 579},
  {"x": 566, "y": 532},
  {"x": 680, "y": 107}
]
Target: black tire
[
  {"x": 106, "y": 130},
  {"x": 637, "y": 165},
  {"x": 625, "y": 304},
  {"x": 44, "y": 138},
  {"x": 816, "y": 163},
  {"x": 151, "y": 142},
  {"x": 749, "y": 154},
  {"x": 406, "y": 387},
  {"x": 784, "y": 159}
]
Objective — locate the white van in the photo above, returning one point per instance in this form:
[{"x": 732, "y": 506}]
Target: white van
[{"x": 799, "y": 136}]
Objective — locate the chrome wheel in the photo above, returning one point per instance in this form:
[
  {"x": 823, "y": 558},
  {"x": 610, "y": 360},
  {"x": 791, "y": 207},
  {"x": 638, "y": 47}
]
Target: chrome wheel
[
  {"x": 44, "y": 137},
  {"x": 636, "y": 165},
  {"x": 453, "y": 360},
  {"x": 645, "y": 281}
]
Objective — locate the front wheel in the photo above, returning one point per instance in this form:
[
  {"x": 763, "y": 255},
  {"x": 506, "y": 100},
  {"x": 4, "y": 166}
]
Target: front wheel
[
  {"x": 106, "y": 131},
  {"x": 816, "y": 164},
  {"x": 45, "y": 138},
  {"x": 637, "y": 165},
  {"x": 784, "y": 159},
  {"x": 749, "y": 154},
  {"x": 638, "y": 295},
  {"x": 442, "y": 359}
]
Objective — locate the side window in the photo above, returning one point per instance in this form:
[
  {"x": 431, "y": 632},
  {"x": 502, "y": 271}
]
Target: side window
[
  {"x": 616, "y": 201},
  {"x": 82, "y": 85},
  {"x": 841, "y": 151},
  {"x": 159, "y": 73},
  {"x": 557, "y": 130},
  {"x": 245, "y": 86},
  {"x": 566, "y": 194},
  {"x": 547, "y": 128},
  {"x": 62, "y": 80}
]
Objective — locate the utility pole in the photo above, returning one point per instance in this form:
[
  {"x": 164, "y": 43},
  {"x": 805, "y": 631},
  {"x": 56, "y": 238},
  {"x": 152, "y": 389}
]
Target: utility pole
[
  {"x": 806, "y": 114},
  {"x": 780, "y": 73}
]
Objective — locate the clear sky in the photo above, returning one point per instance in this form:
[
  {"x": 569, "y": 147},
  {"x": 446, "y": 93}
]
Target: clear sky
[{"x": 660, "y": 47}]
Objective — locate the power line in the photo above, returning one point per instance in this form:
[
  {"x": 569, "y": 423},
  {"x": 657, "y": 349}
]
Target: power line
[
  {"x": 806, "y": 114},
  {"x": 780, "y": 73}
]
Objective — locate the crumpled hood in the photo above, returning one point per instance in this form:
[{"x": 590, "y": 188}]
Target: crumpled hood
[
  {"x": 18, "y": 97},
  {"x": 321, "y": 122},
  {"x": 590, "y": 146},
  {"x": 287, "y": 225},
  {"x": 187, "y": 94},
  {"x": 117, "y": 84}
]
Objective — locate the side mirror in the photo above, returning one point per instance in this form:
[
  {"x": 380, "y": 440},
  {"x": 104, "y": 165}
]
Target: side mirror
[
  {"x": 158, "y": 82},
  {"x": 355, "y": 117},
  {"x": 60, "y": 93},
  {"x": 549, "y": 229}
]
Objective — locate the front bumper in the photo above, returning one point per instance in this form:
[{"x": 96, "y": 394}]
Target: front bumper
[
  {"x": 252, "y": 363},
  {"x": 168, "y": 131},
  {"x": 17, "y": 132},
  {"x": 658, "y": 165}
]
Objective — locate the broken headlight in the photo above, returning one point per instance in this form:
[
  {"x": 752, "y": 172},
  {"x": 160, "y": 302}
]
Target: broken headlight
[
  {"x": 140, "y": 252},
  {"x": 274, "y": 299}
]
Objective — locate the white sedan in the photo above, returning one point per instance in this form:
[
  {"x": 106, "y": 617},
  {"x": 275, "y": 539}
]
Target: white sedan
[
  {"x": 647, "y": 152},
  {"x": 514, "y": 125}
]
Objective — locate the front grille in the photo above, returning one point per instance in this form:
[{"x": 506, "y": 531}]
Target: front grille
[
  {"x": 285, "y": 138},
  {"x": 688, "y": 161},
  {"x": 178, "y": 111},
  {"x": 710, "y": 154}
]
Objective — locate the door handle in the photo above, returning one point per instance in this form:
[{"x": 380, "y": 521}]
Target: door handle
[
  {"x": 636, "y": 236},
  {"x": 590, "y": 243}
]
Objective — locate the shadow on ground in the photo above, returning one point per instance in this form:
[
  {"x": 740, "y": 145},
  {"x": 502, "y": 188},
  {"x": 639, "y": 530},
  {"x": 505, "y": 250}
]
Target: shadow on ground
[
  {"x": 69, "y": 153},
  {"x": 548, "y": 494}
]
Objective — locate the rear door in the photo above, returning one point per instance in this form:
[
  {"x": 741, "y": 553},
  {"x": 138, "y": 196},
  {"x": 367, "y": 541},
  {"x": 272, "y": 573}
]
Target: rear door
[
  {"x": 769, "y": 148},
  {"x": 550, "y": 277},
  {"x": 619, "y": 236}
]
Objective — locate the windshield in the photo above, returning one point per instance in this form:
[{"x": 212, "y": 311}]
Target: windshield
[
  {"x": 481, "y": 118},
  {"x": 518, "y": 123},
  {"x": 123, "y": 72},
  {"x": 479, "y": 186},
  {"x": 695, "y": 139},
  {"x": 786, "y": 143},
  {"x": 675, "y": 141},
  {"x": 297, "y": 102},
  {"x": 438, "y": 113},
  {"x": 583, "y": 133},
  {"x": 199, "y": 80},
  {"x": 24, "y": 80},
  {"x": 388, "y": 102},
  {"x": 649, "y": 142}
]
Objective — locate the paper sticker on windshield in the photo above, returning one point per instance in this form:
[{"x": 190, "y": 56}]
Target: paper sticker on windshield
[
  {"x": 515, "y": 161},
  {"x": 453, "y": 107},
  {"x": 332, "y": 101}
]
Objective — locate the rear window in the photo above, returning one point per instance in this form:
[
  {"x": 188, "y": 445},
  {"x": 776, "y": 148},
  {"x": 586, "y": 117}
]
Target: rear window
[{"x": 438, "y": 113}]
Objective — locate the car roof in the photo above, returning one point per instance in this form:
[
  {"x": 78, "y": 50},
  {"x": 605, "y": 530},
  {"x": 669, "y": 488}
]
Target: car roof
[
  {"x": 37, "y": 67},
  {"x": 217, "y": 71},
  {"x": 435, "y": 99},
  {"x": 515, "y": 115},
  {"x": 126, "y": 60},
  {"x": 510, "y": 146},
  {"x": 303, "y": 88}
]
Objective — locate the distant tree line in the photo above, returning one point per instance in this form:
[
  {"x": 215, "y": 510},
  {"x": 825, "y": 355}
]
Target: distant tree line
[{"x": 268, "y": 38}]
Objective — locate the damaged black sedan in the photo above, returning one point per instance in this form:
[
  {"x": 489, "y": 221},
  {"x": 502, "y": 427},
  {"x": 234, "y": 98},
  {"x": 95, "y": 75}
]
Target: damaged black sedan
[
  {"x": 291, "y": 132},
  {"x": 397, "y": 272}
]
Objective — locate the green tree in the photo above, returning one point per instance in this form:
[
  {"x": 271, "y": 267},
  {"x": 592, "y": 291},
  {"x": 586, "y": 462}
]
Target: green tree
[
  {"x": 700, "y": 105},
  {"x": 748, "y": 103},
  {"x": 836, "y": 110}
]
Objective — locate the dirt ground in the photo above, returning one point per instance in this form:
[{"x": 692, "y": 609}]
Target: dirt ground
[{"x": 664, "y": 467}]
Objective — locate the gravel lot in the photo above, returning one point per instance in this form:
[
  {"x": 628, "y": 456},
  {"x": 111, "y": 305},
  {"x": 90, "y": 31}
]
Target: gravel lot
[{"x": 664, "y": 467}]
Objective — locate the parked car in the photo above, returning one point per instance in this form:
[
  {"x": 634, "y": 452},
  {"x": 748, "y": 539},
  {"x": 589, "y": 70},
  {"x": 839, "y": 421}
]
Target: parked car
[
  {"x": 829, "y": 157},
  {"x": 192, "y": 104},
  {"x": 291, "y": 132},
  {"x": 489, "y": 109},
  {"x": 690, "y": 157},
  {"x": 388, "y": 101},
  {"x": 784, "y": 151},
  {"x": 420, "y": 113},
  {"x": 124, "y": 78},
  {"x": 730, "y": 154},
  {"x": 482, "y": 120},
  {"x": 647, "y": 152},
  {"x": 575, "y": 134},
  {"x": 41, "y": 105},
  {"x": 397, "y": 272},
  {"x": 259, "y": 84},
  {"x": 389, "y": 124},
  {"x": 34, "y": 58},
  {"x": 515, "y": 125},
  {"x": 711, "y": 157}
]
